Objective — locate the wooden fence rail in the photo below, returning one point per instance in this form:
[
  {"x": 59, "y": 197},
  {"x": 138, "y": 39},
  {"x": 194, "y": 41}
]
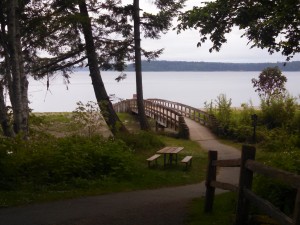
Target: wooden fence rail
[
  {"x": 162, "y": 114},
  {"x": 245, "y": 195}
]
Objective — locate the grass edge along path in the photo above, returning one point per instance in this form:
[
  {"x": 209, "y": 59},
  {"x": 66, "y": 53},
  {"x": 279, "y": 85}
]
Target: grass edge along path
[{"x": 223, "y": 211}]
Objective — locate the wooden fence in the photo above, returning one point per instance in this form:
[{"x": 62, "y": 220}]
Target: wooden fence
[
  {"x": 163, "y": 115},
  {"x": 246, "y": 197}
]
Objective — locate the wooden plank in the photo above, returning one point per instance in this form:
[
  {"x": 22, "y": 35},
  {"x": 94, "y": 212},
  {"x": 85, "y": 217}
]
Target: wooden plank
[
  {"x": 286, "y": 177},
  {"x": 153, "y": 157},
  {"x": 163, "y": 150},
  {"x": 224, "y": 186},
  {"x": 186, "y": 159},
  {"x": 227, "y": 163},
  {"x": 268, "y": 208},
  {"x": 177, "y": 150}
]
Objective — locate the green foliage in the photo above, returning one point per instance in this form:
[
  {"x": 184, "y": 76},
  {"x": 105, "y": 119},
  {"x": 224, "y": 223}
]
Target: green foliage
[
  {"x": 278, "y": 111},
  {"x": 270, "y": 84},
  {"x": 223, "y": 211},
  {"x": 246, "y": 113},
  {"x": 278, "y": 193},
  {"x": 87, "y": 117},
  {"x": 221, "y": 109},
  {"x": 278, "y": 139},
  {"x": 48, "y": 168},
  {"x": 262, "y": 22},
  {"x": 64, "y": 160},
  {"x": 141, "y": 141}
]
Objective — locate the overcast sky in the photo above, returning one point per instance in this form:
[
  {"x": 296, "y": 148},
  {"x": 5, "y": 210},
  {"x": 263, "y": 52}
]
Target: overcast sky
[{"x": 183, "y": 46}]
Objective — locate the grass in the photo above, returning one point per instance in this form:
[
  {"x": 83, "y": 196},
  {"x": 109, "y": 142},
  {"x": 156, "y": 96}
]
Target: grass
[
  {"x": 223, "y": 211},
  {"x": 143, "y": 178}
]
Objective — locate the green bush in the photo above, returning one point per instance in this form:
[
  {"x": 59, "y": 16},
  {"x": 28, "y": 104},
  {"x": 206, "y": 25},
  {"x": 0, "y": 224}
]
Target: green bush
[
  {"x": 63, "y": 160},
  {"x": 246, "y": 113},
  {"x": 278, "y": 140},
  {"x": 278, "y": 112},
  {"x": 241, "y": 133},
  {"x": 141, "y": 141},
  {"x": 221, "y": 110},
  {"x": 278, "y": 193}
]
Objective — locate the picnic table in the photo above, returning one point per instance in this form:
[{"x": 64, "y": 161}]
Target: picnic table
[{"x": 171, "y": 151}]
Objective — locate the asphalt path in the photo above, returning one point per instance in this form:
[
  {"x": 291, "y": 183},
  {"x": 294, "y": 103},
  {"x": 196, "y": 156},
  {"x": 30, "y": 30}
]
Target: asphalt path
[{"x": 147, "y": 207}]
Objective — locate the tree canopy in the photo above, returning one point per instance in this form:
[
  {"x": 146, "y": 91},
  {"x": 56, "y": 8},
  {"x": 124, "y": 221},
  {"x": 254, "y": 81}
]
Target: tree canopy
[
  {"x": 270, "y": 83},
  {"x": 39, "y": 38},
  {"x": 267, "y": 24}
]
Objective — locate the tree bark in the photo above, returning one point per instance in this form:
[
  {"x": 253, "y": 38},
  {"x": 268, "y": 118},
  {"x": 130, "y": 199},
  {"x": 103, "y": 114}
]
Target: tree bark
[
  {"x": 4, "y": 120},
  {"x": 109, "y": 114},
  {"x": 138, "y": 67},
  {"x": 19, "y": 83}
]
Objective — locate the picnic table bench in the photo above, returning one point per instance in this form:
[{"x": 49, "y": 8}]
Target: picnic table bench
[
  {"x": 187, "y": 160},
  {"x": 153, "y": 158}
]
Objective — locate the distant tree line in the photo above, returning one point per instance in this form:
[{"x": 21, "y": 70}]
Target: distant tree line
[{"x": 213, "y": 66}]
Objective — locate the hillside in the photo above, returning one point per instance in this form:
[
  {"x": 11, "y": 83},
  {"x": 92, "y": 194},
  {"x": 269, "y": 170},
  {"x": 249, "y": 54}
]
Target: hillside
[{"x": 212, "y": 66}]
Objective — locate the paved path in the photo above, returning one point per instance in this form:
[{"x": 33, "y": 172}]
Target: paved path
[{"x": 148, "y": 207}]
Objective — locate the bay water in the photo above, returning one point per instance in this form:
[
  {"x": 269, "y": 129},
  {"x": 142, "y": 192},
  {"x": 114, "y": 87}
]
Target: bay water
[{"x": 191, "y": 88}]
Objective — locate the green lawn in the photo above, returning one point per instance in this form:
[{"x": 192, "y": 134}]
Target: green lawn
[{"x": 223, "y": 211}]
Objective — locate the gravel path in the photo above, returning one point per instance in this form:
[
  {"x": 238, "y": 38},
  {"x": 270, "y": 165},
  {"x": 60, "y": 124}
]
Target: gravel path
[{"x": 148, "y": 207}]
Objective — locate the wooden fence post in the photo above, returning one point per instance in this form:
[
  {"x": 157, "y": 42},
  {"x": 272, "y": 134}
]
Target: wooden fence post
[
  {"x": 246, "y": 176},
  {"x": 297, "y": 209},
  {"x": 211, "y": 175}
]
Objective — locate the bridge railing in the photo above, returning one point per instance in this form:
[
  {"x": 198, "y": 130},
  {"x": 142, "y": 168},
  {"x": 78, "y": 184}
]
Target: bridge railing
[
  {"x": 163, "y": 115},
  {"x": 195, "y": 114}
]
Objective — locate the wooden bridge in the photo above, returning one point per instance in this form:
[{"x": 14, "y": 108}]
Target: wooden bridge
[{"x": 168, "y": 114}]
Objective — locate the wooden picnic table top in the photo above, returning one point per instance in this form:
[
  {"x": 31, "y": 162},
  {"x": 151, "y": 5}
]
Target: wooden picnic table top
[{"x": 170, "y": 150}]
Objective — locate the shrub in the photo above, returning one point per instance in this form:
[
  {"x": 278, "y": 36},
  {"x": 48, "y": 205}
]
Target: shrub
[
  {"x": 246, "y": 113},
  {"x": 88, "y": 117},
  {"x": 221, "y": 110},
  {"x": 280, "y": 194},
  {"x": 278, "y": 112},
  {"x": 141, "y": 141},
  {"x": 63, "y": 160}
]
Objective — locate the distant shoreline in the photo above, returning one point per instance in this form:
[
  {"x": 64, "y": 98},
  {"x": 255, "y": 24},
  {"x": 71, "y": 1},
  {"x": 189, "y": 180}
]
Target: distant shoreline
[
  {"x": 180, "y": 66},
  {"x": 186, "y": 66}
]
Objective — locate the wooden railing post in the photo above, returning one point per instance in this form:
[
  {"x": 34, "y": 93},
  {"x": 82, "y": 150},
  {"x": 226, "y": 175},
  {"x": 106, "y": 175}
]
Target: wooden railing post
[
  {"x": 246, "y": 177},
  {"x": 211, "y": 175}
]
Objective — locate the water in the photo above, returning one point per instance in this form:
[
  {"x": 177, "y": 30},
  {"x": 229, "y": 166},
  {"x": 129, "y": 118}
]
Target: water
[{"x": 191, "y": 88}]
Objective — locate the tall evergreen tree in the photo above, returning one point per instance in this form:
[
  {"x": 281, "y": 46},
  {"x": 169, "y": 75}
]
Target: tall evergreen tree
[
  {"x": 138, "y": 66},
  {"x": 153, "y": 25},
  {"x": 13, "y": 74},
  {"x": 105, "y": 104}
]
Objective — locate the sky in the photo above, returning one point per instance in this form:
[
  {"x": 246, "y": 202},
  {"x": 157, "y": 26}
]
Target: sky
[{"x": 183, "y": 46}]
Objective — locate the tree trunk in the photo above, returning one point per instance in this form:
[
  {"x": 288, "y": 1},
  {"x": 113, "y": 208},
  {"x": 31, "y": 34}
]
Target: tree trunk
[
  {"x": 109, "y": 114},
  {"x": 19, "y": 85},
  {"x": 138, "y": 67},
  {"x": 6, "y": 127}
]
